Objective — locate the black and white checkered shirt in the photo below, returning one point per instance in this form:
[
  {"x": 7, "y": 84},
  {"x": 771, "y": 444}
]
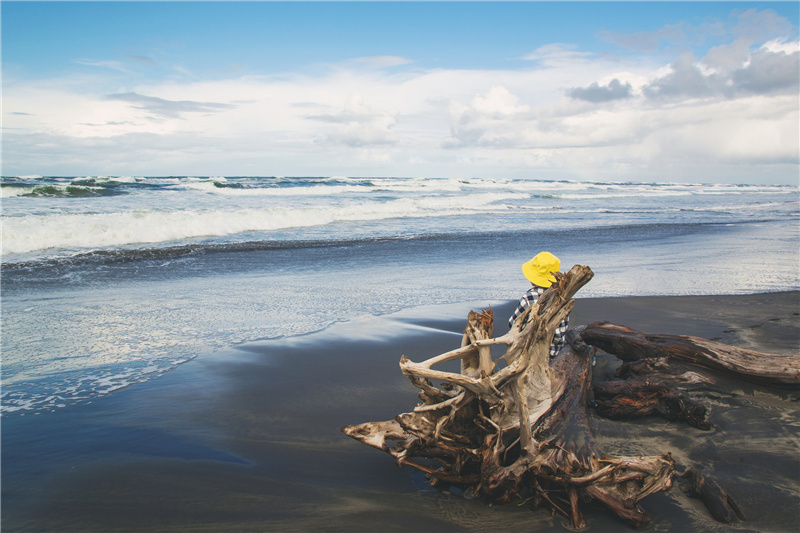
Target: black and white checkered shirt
[{"x": 530, "y": 297}]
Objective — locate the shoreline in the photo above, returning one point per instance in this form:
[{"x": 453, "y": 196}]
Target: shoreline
[{"x": 248, "y": 439}]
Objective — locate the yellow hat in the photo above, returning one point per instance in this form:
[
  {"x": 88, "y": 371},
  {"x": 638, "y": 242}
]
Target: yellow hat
[{"x": 538, "y": 270}]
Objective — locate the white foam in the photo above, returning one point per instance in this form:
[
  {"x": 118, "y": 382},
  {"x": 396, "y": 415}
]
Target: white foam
[
  {"x": 177, "y": 209},
  {"x": 319, "y": 190},
  {"x": 617, "y": 194},
  {"x": 10, "y": 192},
  {"x": 149, "y": 226}
]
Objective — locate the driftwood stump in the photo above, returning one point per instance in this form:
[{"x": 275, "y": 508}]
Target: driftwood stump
[{"x": 518, "y": 427}]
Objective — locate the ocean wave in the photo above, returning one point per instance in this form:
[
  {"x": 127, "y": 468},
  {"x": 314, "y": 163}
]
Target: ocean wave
[
  {"x": 34, "y": 233},
  {"x": 318, "y": 186},
  {"x": 237, "y": 189},
  {"x": 42, "y": 214},
  {"x": 12, "y": 191},
  {"x": 39, "y": 187},
  {"x": 56, "y": 191},
  {"x": 627, "y": 194},
  {"x": 167, "y": 253},
  {"x": 93, "y": 180},
  {"x": 68, "y": 191},
  {"x": 330, "y": 186}
]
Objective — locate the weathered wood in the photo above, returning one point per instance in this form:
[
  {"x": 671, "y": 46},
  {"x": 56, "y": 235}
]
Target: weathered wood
[
  {"x": 717, "y": 501},
  {"x": 479, "y": 328},
  {"x": 631, "y": 345},
  {"x": 671, "y": 372},
  {"x": 657, "y": 367},
  {"x": 521, "y": 429},
  {"x": 645, "y": 396}
]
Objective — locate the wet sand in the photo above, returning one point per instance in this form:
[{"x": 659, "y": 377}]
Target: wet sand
[{"x": 249, "y": 439}]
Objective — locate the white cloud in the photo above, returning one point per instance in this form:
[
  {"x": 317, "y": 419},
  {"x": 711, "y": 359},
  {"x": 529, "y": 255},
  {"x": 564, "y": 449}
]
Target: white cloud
[
  {"x": 781, "y": 45},
  {"x": 490, "y": 119},
  {"x": 769, "y": 71},
  {"x": 168, "y": 108},
  {"x": 557, "y": 54},
  {"x": 752, "y": 129},
  {"x": 113, "y": 65},
  {"x": 381, "y": 61},
  {"x": 755, "y": 25},
  {"x": 730, "y": 71},
  {"x": 727, "y": 58},
  {"x": 498, "y": 102},
  {"x": 359, "y": 124},
  {"x": 729, "y": 115}
]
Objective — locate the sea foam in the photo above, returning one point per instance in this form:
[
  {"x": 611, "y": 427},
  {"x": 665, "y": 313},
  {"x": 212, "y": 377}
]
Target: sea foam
[{"x": 147, "y": 226}]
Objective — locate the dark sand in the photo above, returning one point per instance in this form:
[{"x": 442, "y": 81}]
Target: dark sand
[{"x": 249, "y": 439}]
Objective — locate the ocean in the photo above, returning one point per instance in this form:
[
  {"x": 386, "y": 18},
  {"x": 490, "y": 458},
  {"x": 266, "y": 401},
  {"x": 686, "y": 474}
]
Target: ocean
[{"x": 112, "y": 281}]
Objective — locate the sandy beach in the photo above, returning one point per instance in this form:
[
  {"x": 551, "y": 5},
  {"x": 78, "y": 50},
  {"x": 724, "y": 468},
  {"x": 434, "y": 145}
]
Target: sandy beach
[{"x": 250, "y": 440}]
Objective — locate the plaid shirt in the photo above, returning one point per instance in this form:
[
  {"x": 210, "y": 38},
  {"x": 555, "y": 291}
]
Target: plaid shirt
[{"x": 530, "y": 297}]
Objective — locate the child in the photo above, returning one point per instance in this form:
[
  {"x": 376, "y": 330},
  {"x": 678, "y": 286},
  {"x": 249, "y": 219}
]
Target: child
[{"x": 539, "y": 272}]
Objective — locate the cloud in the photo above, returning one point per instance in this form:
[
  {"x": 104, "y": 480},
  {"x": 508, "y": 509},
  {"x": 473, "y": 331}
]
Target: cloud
[
  {"x": 358, "y": 124},
  {"x": 143, "y": 60},
  {"x": 754, "y": 25},
  {"x": 746, "y": 27},
  {"x": 730, "y": 72},
  {"x": 167, "y": 108},
  {"x": 112, "y": 155},
  {"x": 557, "y": 54},
  {"x": 597, "y": 93},
  {"x": 751, "y": 130},
  {"x": 685, "y": 80},
  {"x": 488, "y": 120},
  {"x": 376, "y": 130},
  {"x": 652, "y": 41},
  {"x": 726, "y": 58},
  {"x": 109, "y": 123},
  {"x": 381, "y": 61},
  {"x": 768, "y": 72},
  {"x": 113, "y": 65}
]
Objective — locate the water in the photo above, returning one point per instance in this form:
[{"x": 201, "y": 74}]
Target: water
[{"x": 111, "y": 281}]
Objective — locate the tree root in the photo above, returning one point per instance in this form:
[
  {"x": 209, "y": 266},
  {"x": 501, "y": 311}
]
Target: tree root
[{"x": 521, "y": 431}]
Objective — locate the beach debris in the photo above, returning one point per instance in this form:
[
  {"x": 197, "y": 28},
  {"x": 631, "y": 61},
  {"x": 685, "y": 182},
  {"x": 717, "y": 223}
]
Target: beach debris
[
  {"x": 658, "y": 370},
  {"x": 645, "y": 396},
  {"x": 659, "y": 351},
  {"x": 718, "y": 502},
  {"x": 517, "y": 427}
]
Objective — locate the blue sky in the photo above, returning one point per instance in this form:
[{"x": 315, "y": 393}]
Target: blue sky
[{"x": 627, "y": 91}]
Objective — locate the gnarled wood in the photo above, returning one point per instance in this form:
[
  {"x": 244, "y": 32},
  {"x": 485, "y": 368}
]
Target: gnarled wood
[
  {"x": 632, "y": 345},
  {"x": 645, "y": 396},
  {"x": 521, "y": 429}
]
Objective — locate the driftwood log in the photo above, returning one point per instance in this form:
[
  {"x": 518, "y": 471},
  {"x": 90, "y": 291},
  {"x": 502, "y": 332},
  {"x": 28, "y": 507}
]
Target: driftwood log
[
  {"x": 518, "y": 427},
  {"x": 659, "y": 350},
  {"x": 659, "y": 370}
]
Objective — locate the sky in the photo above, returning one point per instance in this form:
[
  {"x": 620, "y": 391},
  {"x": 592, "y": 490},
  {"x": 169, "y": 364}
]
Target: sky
[{"x": 606, "y": 91}]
